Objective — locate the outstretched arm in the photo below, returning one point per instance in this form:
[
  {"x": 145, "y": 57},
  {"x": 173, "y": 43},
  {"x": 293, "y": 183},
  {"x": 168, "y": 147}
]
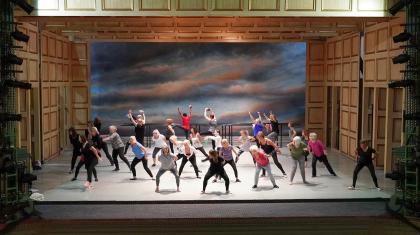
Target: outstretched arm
[
  {"x": 266, "y": 117},
  {"x": 252, "y": 117},
  {"x": 206, "y": 115},
  {"x": 259, "y": 116},
  {"x": 179, "y": 111},
  {"x": 190, "y": 110},
  {"x": 144, "y": 118},
  {"x": 130, "y": 116}
]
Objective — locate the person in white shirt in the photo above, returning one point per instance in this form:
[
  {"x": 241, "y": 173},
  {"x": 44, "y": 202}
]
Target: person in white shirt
[
  {"x": 196, "y": 141},
  {"x": 187, "y": 153},
  {"x": 245, "y": 142},
  {"x": 158, "y": 142}
]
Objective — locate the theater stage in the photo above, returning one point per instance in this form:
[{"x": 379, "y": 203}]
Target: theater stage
[{"x": 56, "y": 185}]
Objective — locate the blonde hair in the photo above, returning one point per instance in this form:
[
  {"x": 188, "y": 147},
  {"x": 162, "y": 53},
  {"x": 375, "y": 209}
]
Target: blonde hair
[
  {"x": 95, "y": 129},
  {"x": 186, "y": 142},
  {"x": 225, "y": 141},
  {"x": 132, "y": 139},
  {"x": 313, "y": 136}
]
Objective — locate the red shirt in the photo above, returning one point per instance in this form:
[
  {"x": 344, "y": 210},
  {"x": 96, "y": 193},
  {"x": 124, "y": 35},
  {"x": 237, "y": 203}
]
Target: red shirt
[
  {"x": 261, "y": 160},
  {"x": 186, "y": 122}
]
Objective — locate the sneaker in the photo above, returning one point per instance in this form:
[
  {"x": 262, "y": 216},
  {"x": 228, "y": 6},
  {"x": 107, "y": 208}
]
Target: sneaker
[
  {"x": 255, "y": 186},
  {"x": 351, "y": 188},
  {"x": 112, "y": 164},
  {"x": 74, "y": 179},
  {"x": 96, "y": 180},
  {"x": 203, "y": 192},
  {"x": 262, "y": 175},
  {"x": 275, "y": 186},
  {"x": 116, "y": 169},
  {"x": 379, "y": 189},
  {"x": 70, "y": 171},
  {"x": 238, "y": 180},
  {"x": 290, "y": 183},
  {"x": 334, "y": 174},
  {"x": 284, "y": 174},
  {"x": 227, "y": 192},
  {"x": 134, "y": 178}
]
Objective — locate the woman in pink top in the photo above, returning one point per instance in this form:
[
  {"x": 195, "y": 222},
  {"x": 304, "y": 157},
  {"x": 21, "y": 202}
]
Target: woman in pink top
[
  {"x": 319, "y": 153},
  {"x": 262, "y": 163}
]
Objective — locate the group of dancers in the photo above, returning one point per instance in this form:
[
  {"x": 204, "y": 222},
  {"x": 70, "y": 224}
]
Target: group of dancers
[{"x": 167, "y": 149}]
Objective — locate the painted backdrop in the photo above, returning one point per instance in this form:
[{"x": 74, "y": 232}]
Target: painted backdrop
[{"x": 231, "y": 78}]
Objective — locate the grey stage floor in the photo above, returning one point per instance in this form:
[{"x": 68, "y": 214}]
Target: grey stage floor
[{"x": 56, "y": 185}]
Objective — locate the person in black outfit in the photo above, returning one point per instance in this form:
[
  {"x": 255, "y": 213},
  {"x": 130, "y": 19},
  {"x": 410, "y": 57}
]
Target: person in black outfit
[
  {"x": 74, "y": 140},
  {"x": 270, "y": 148},
  {"x": 139, "y": 128},
  {"x": 274, "y": 123},
  {"x": 97, "y": 123},
  {"x": 91, "y": 159},
  {"x": 99, "y": 144},
  {"x": 82, "y": 162},
  {"x": 216, "y": 168},
  {"x": 169, "y": 132},
  {"x": 365, "y": 156}
]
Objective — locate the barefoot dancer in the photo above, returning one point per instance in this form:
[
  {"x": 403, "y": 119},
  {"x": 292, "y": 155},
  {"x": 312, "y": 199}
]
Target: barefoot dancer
[
  {"x": 158, "y": 142},
  {"x": 99, "y": 144},
  {"x": 168, "y": 163},
  {"x": 91, "y": 159},
  {"x": 216, "y": 168},
  {"x": 186, "y": 120}
]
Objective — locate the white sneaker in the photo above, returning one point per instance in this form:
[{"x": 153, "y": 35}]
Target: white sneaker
[
  {"x": 379, "y": 189},
  {"x": 351, "y": 188}
]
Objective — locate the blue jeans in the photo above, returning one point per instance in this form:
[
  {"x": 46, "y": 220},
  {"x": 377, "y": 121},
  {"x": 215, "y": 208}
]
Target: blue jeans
[{"x": 258, "y": 168}]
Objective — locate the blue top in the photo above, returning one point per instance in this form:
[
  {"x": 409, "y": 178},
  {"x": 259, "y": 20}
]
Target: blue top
[
  {"x": 137, "y": 150},
  {"x": 257, "y": 128}
]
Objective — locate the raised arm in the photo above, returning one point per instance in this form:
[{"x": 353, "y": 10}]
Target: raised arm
[
  {"x": 266, "y": 117},
  {"x": 190, "y": 106},
  {"x": 144, "y": 118},
  {"x": 206, "y": 115},
  {"x": 252, "y": 117},
  {"x": 179, "y": 111},
  {"x": 259, "y": 116},
  {"x": 130, "y": 116}
]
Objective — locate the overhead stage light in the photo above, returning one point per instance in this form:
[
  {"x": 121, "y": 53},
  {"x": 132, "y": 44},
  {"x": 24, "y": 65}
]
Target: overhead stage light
[
  {"x": 13, "y": 59},
  {"x": 399, "y": 6},
  {"x": 401, "y": 59},
  {"x": 402, "y": 37},
  {"x": 19, "y": 36},
  {"x": 24, "y": 5}
]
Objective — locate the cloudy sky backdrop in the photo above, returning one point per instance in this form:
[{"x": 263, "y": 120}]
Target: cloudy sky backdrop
[{"x": 231, "y": 78}]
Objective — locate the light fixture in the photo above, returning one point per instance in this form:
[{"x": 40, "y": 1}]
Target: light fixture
[
  {"x": 402, "y": 37},
  {"x": 24, "y": 5},
  {"x": 13, "y": 59},
  {"x": 401, "y": 59},
  {"x": 399, "y": 6},
  {"x": 19, "y": 36}
]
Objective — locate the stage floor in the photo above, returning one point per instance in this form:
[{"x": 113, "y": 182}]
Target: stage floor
[{"x": 56, "y": 185}]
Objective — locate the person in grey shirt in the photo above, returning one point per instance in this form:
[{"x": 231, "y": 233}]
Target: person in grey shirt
[
  {"x": 117, "y": 147},
  {"x": 168, "y": 163}
]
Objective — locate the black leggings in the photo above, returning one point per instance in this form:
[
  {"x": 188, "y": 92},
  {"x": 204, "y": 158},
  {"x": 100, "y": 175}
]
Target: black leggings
[
  {"x": 91, "y": 168},
  {"x": 324, "y": 160},
  {"x": 233, "y": 165},
  {"x": 276, "y": 161},
  {"x": 155, "y": 152},
  {"x": 207, "y": 133},
  {"x": 185, "y": 160},
  {"x": 146, "y": 168},
  {"x": 359, "y": 167},
  {"x": 119, "y": 152},
  {"x": 76, "y": 153},
  {"x": 201, "y": 149},
  {"x": 79, "y": 165},
  {"x": 221, "y": 173},
  {"x": 104, "y": 148}
]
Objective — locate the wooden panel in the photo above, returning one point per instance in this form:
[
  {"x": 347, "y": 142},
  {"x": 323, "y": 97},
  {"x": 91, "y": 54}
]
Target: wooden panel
[
  {"x": 53, "y": 121},
  {"x": 45, "y": 97},
  {"x": 112, "y": 5},
  {"x": 264, "y": 5},
  {"x": 347, "y": 47},
  {"x": 33, "y": 41},
  {"x": 59, "y": 72},
  {"x": 381, "y": 127},
  {"x": 192, "y": 5},
  {"x": 23, "y": 126},
  {"x": 353, "y": 122},
  {"x": 338, "y": 49},
  {"x": 51, "y": 71},
  {"x": 344, "y": 143},
  {"x": 382, "y": 69},
  {"x": 66, "y": 75},
  {"x": 346, "y": 72},
  {"x": 79, "y": 51},
  {"x": 316, "y": 73},
  {"x": 315, "y": 115},
  {"x": 316, "y": 51},
  {"x": 155, "y": 5},
  {"x": 370, "y": 42},
  {"x": 65, "y": 51},
  {"x": 382, "y": 101},
  {"x": 355, "y": 71},
  {"x": 53, "y": 97},
  {"x": 383, "y": 39},
  {"x": 352, "y": 146},
  {"x": 371, "y": 5},
  {"x": 80, "y": 95},
  {"x": 59, "y": 48},
  {"x": 44, "y": 45},
  {"x": 316, "y": 94},
  {"x": 355, "y": 41},
  {"x": 80, "y": 116},
  {"x": 345, "y": 96},
  {"x": 354, "y": 96},
  {"x": 46, "y": 4},
  {"x": 80, "y": 5},
  {"x": 79, "y": 73},
  {"x": 344, "y": 120},
  {"x": 46, "y": 123},
  {"x": 228, "y": 5},
  {"x": 54, "y": 145},
  {"x": 370, "y": 70},
  {"x": 396, "y": 130},
  {"x": 337, "y": 72},
  {"x": 398, "y": 100},
  {"x": 330, "y": 49},
  {"x": 51, "y": 47},
  {"x": 46, "y": 148},
  {"x": 334, "y": 5},
  {"x": 395, "y": 70},
  {"x": 330, "y": 72},
  {"x": 299, "y": 5}
]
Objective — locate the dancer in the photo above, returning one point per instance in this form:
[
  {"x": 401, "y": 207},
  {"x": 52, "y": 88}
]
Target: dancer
[
  {"x": 270, "y": 148},
  {"x": 262, "y": 163},
  {"x": 216, "y": 140},
  {"x": 169, "y": 133},
  {"x": 292, "y": 131},
  {"x": 186, "y": 120},
  {"x": 196, "y": 141},
  {"x": 216, "y": 168},
  {"x": 245, "y": 142},
  {"x": 319, "y": 153},
  {"x": 139, "y": 127},
  {"x": 82, "y": 162},
  {"x": 257, "y": 126},
  {"x": 158, "y": 142},
  {"x": 226, "y": 153},
  {"x": 211, "y": 117},
  {"x": 305, "y": 140},
  {"x": 99, "y": 144},
  {"x": 91, "y": 157},
  {"x": 297, "y": 151},
  {"x": 74, "y": 140},
  {"x": 139, "y": 156},
  {"x": 117, "y": 147},
  {"x": 365, "y": 156},
  {"x": 274, "y": 126},
  {"x": 97, "y": 123},
  {"x": 187, "y": 153},
  {"x": 168, "y": 163}
]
